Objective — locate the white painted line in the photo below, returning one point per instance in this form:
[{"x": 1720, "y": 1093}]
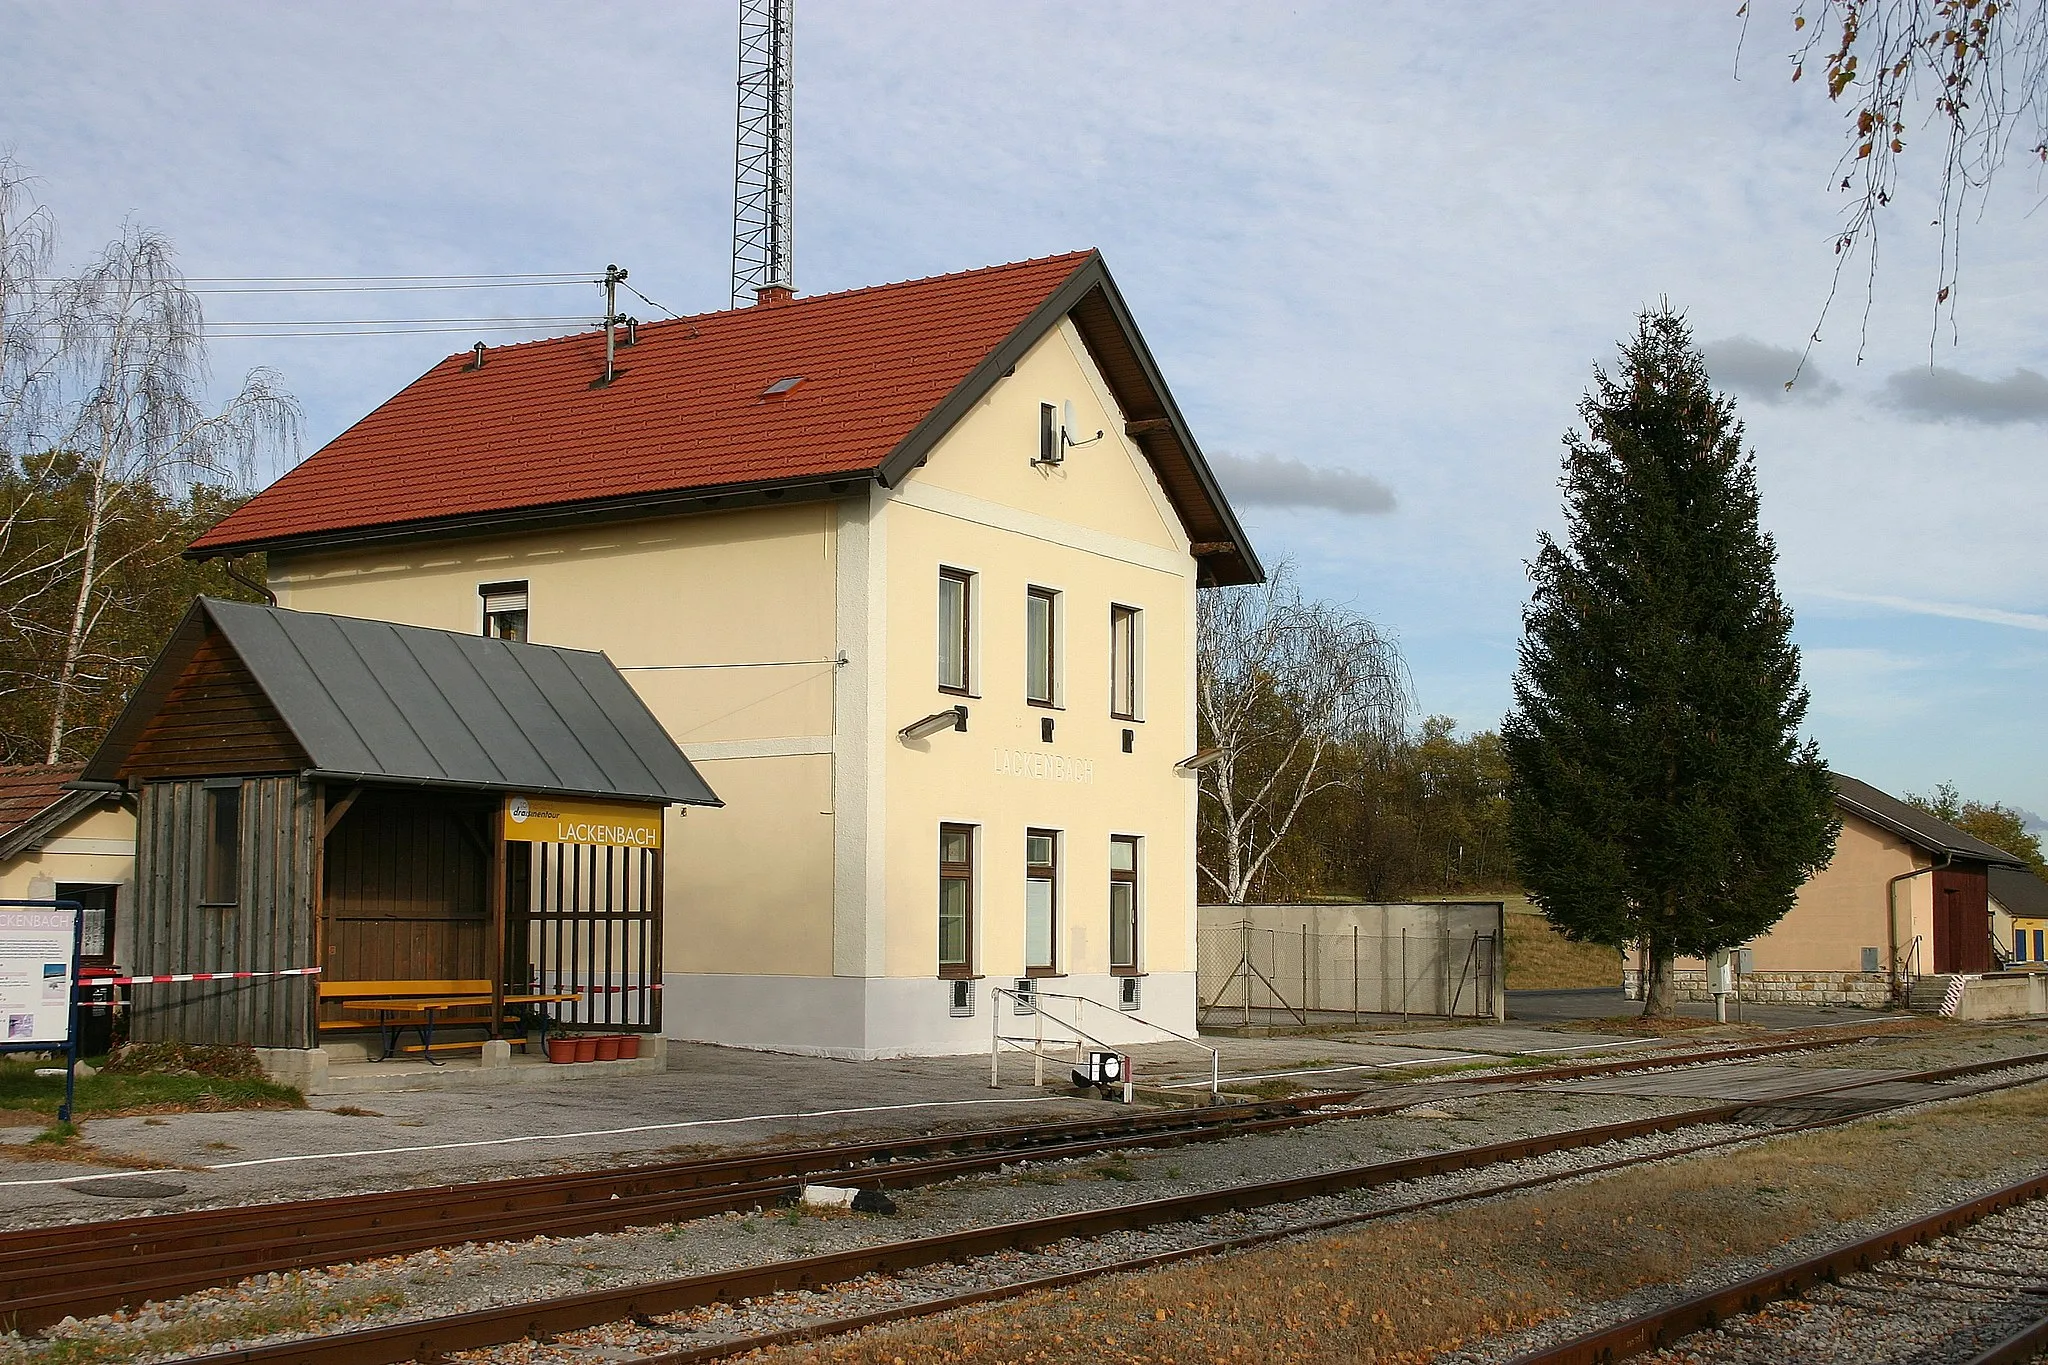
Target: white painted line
[
  {"x": 551, "y": 1137},
  {"x": 1333, "y": 1070}
]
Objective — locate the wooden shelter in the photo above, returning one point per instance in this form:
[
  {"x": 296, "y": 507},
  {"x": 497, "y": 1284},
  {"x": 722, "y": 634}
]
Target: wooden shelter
[{"x": 389, "y": 803}]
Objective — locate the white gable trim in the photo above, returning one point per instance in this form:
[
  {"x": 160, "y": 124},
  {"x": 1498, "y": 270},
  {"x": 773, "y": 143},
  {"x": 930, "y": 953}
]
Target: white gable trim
[{"x": 946, "y": 502}]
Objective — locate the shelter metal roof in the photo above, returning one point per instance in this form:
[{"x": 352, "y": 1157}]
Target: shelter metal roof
[
  {"x": 381, "y": 702},
  {"x": 1914, "y": 825}
]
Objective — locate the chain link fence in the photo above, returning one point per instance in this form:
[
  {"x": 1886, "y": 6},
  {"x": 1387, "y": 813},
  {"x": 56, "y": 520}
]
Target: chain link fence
[{"x": 1408, "y": 960}]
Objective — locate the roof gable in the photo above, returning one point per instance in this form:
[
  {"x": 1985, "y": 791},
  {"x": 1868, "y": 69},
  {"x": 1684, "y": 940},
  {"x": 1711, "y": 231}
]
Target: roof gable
[
  {"x": 35, "y": 803},
  {"x": 1914, "y": 825},
  {"x": 375, "y": 701},
  {"x": 689, "y": 424}
]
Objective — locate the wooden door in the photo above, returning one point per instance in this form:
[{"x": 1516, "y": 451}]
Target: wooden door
[{"x": 1962, "y": 919}]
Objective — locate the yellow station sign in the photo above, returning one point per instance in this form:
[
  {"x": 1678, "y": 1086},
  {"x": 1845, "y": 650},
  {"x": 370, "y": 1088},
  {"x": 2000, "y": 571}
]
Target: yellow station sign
[{"x": 565, "y": 820}]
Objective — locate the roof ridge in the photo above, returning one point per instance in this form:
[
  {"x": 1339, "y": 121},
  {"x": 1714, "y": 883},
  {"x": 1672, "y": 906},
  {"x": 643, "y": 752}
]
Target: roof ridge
[{"x": 796, "y": 301}]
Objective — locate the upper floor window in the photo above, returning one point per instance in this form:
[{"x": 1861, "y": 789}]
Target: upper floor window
[
  {"x": 1125, "y": 641},
  {"x": 504, "y": 610},
  {"x": 956, "y": 627},
  {"x": 1049, "y": 451},
  {"x": 1041, "y": 644}
]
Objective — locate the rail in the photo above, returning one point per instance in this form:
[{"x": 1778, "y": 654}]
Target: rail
[{"x": 1028, "y": 1002}]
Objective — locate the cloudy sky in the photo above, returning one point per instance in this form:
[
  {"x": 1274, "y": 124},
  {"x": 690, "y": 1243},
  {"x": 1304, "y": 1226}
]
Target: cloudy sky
[{"x": 1377, "y": 249}]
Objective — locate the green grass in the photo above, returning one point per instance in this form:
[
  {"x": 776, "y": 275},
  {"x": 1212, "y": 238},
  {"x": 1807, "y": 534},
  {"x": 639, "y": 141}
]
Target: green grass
[
  {"x": 111, "y": 1093},
  {"x": 1541, "y": 959}
]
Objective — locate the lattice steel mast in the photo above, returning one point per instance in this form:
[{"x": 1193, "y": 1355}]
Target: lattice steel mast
[{"x": 763, "y": 193}]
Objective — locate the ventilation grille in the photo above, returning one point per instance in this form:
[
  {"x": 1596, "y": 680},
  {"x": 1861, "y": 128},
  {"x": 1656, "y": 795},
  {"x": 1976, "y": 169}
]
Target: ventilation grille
[{"x": 962, "y": 1000}]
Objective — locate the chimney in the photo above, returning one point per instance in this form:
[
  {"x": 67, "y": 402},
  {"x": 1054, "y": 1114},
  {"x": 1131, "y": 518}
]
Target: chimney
[{"x": 769, "y": 295}]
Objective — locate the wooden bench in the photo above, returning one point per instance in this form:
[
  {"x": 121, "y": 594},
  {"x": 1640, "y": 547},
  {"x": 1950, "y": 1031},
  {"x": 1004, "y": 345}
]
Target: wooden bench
[{"x": 422, "y": 1005}]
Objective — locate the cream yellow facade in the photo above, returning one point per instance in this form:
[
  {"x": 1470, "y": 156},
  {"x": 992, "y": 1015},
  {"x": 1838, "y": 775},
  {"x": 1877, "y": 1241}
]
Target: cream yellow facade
[
  {"x": 786, "y": 647},
  {"x": 1841, "y": 910},
  {"x": 94, "y": 848}
]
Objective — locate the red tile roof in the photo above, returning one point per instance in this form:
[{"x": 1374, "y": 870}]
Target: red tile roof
[
  {"x": 28, "y": 790},
  {"x": 687, "y": 410}
]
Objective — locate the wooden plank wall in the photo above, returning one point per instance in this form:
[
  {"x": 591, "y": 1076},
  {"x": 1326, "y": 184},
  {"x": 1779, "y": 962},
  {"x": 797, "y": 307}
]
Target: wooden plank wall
[
  {"x": 214, "y": 720},
  {"x": 405, "y": 890},
  {"x": 270, "y": 928}
]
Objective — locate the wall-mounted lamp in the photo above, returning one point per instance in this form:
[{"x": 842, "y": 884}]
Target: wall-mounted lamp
[
  {"x": 952, "y": 718},
  {"x": 1197, "y": 761}
]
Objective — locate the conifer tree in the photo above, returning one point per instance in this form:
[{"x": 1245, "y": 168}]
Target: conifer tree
[{"x": 1660, "y": 793}]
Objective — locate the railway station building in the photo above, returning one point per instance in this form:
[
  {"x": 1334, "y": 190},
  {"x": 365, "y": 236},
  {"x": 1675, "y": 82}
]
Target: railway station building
[
  {"x": 909, "y": 572},
  {"x": 57, "y": 840}
]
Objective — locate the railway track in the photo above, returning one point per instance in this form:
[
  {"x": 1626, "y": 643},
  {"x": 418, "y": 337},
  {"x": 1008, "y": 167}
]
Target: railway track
[
  {"x": 431, "y": 1339},
  {"x": 78, "y": 1270},
  {"x": 1968, "y": 1284}
]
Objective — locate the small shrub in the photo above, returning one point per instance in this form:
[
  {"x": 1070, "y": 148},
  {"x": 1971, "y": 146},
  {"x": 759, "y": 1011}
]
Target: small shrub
[
  {"x": 227, "y": 1062},
  {"x": 59, "y": 1134}
]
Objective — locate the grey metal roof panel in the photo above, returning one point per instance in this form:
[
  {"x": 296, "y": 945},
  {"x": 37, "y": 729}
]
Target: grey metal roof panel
[
  {"x": 382, "y": 701},
  {"x": 1916, "y": 825},
  {"x": 2020, "y": 892}
]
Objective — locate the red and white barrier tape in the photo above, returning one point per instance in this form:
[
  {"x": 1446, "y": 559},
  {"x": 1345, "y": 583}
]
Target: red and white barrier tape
[{"x": 89, "y": 981}]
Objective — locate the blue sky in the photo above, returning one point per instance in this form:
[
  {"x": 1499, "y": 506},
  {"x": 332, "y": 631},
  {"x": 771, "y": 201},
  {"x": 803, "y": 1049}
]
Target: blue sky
[{"x": 1384, "y": 244}]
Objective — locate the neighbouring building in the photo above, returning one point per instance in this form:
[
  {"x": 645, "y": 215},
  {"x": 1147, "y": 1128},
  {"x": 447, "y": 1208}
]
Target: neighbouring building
[
  {"x": 2019, "y": 911},
  {"x": 909, "y": 571},
  {"x": 1905, "y": 900},
  {"x": 59, "y": 841}
]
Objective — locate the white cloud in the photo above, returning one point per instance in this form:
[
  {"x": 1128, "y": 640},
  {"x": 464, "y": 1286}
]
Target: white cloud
[
  {"x": 1960, "y": 611},
  {"x": 1277, "y": 481}
]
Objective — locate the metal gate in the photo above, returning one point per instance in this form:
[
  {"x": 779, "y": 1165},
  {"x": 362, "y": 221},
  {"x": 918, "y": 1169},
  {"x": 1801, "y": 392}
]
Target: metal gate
[{"x": 593, "y": 926}]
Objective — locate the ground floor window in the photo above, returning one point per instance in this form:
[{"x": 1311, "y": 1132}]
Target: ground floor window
[
  {"x": 1041, "y": 900},
  {"x": 1123, "y": 903},
  {"x": 97, "y": 945},
  {"x": 956, "y": 900}
]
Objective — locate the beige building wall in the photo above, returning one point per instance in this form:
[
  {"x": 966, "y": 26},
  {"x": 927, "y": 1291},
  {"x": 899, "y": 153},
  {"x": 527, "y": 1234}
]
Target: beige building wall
[
  {"x": 96, "y": 847},
  {"x": 783, "y": 648},
  {"x": 1841, "y": 909},
  {"x": 724, "y": 625}
]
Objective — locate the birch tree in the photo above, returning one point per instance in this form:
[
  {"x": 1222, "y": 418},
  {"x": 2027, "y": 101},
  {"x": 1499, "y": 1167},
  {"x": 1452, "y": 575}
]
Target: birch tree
[
  {"x": 105, "y": 393},
  {"x": 1282, "y": 683}
]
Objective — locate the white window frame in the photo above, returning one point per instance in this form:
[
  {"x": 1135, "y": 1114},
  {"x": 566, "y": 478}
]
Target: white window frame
[{"x": 1137, "y": 881}]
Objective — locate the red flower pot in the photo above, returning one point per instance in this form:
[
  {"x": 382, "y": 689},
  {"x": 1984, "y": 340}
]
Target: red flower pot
[
  {"x": 629, "y": 1047},
  {"x": 561, "y": 1049},
  {"x": 586, "y": 1049},
  {"x": 608, "y": 1048}
]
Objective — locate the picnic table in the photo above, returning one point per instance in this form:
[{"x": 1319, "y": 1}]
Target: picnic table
[{"x": 396, "y": 1014}]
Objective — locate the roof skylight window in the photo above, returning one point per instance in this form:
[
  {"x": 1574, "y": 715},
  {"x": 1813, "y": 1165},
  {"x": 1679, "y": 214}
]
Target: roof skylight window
[{"x": 782, "y": 386}]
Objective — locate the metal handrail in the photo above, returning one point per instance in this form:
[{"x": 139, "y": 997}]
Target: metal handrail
[{"x": 1036, "y": 1043}]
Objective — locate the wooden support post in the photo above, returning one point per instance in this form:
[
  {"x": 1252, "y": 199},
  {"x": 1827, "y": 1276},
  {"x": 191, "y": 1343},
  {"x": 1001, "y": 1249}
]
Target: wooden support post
[{"x": 494, "y": 873}]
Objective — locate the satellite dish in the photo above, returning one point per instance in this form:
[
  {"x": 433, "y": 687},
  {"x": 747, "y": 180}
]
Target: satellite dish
[{"x": 1068, "y": 428}]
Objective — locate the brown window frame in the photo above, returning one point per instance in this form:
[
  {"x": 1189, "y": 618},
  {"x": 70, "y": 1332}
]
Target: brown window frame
[
  {"x": 220, "y": 873},
  {"x": 965, "y": 578},
  {"x": 961, "y": 872},
  {"x": 1127, "y": 676},
  {"x": 1050, "y": 875},
  {"x": 1051, "y": 598},
  {"x": 1122, "y": 878}
]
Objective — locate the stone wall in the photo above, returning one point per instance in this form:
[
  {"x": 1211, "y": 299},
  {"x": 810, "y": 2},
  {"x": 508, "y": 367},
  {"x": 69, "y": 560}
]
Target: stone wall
[{"x": 1867, "y": 989}]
